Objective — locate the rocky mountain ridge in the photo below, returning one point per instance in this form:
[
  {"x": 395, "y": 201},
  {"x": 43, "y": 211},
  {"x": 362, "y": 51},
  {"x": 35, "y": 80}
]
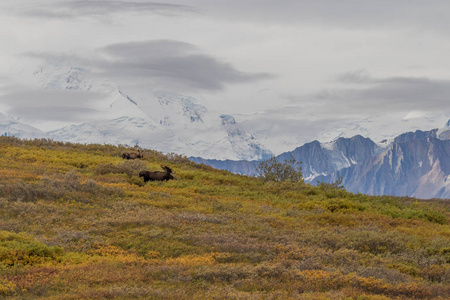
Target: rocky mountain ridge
[{"x": 415, "y": 164}]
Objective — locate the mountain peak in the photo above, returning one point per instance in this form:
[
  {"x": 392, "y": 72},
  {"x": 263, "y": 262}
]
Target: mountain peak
[
  {"x": 417, "y": 135},
  {"x": 227, "y": 120}
]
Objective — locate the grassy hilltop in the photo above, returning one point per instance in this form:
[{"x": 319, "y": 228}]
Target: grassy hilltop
[{"x": 76, "y": 222}]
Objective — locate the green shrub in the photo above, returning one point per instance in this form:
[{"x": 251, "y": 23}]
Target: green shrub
[{"x": 273, "y": 170}]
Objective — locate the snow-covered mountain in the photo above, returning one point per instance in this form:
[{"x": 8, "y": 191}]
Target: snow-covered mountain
[
  {"x": 127, "y": 113},
  {"x": 153, "y": 119},
  {"x": 10, "y": 126}
]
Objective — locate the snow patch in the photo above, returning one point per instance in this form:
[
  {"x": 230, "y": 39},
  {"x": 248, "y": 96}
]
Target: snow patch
[
  {"x": 328, "y": 146},
  {"x": 314, "y": 174},
  {"x": 414, "y": 115}
]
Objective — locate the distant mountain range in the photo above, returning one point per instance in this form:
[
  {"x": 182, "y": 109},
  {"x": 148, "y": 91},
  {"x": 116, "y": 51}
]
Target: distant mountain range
[{"x": 415, "y": 164}]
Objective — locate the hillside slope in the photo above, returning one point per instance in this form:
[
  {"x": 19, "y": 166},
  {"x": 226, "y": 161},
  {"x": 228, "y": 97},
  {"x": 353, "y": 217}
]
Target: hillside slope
[{"x": 76, "y": 222}]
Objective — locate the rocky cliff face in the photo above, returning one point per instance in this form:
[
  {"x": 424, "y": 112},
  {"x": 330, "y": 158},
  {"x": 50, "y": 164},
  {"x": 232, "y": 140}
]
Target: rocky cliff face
[
  {"x": 322, "y": 161},
  {"x": 415, "y": 164}
]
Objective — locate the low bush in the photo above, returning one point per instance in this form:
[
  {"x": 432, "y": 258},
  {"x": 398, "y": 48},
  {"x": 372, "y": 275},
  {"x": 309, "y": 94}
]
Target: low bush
[
  {"x": 7, "y": 288},
  {"x": 128, "y": 167},
  {"x": 68, "y": 187},
  {"x": 19, "y": 249}
]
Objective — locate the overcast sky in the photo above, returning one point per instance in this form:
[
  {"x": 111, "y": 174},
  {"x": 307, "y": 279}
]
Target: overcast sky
[{"x": 323, "y": 60}]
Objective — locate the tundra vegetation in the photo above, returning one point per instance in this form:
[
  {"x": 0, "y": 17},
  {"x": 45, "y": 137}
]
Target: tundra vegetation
[{"x": 77, "y": 222}]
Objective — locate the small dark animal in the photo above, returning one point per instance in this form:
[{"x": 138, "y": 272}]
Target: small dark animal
[
  {"x": 127, "y": 155},
  {"x": 157, "y": 175}
]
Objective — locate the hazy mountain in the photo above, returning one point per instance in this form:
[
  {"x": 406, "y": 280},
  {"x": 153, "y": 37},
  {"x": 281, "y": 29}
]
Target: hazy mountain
[
  {"x": 158, "y": 120},
  {"x": 10, "y": 126},
  {"x": 85, "y": 106}
]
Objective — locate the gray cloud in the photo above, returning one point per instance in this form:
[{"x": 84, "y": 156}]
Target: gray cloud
[
  {"x": 357, "y": 77},
  {"x": 150, "y": 49},
  {"x": 100, "y": 8},
  {"x": 162, "y": 64},
  {"x": 54, "y": 113},
  {"x": 347, "y": 13},
  {"x": 51, "y": 105},
  {"x": 376, "y": 95},
  {"x": 289, "y": 127}
]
